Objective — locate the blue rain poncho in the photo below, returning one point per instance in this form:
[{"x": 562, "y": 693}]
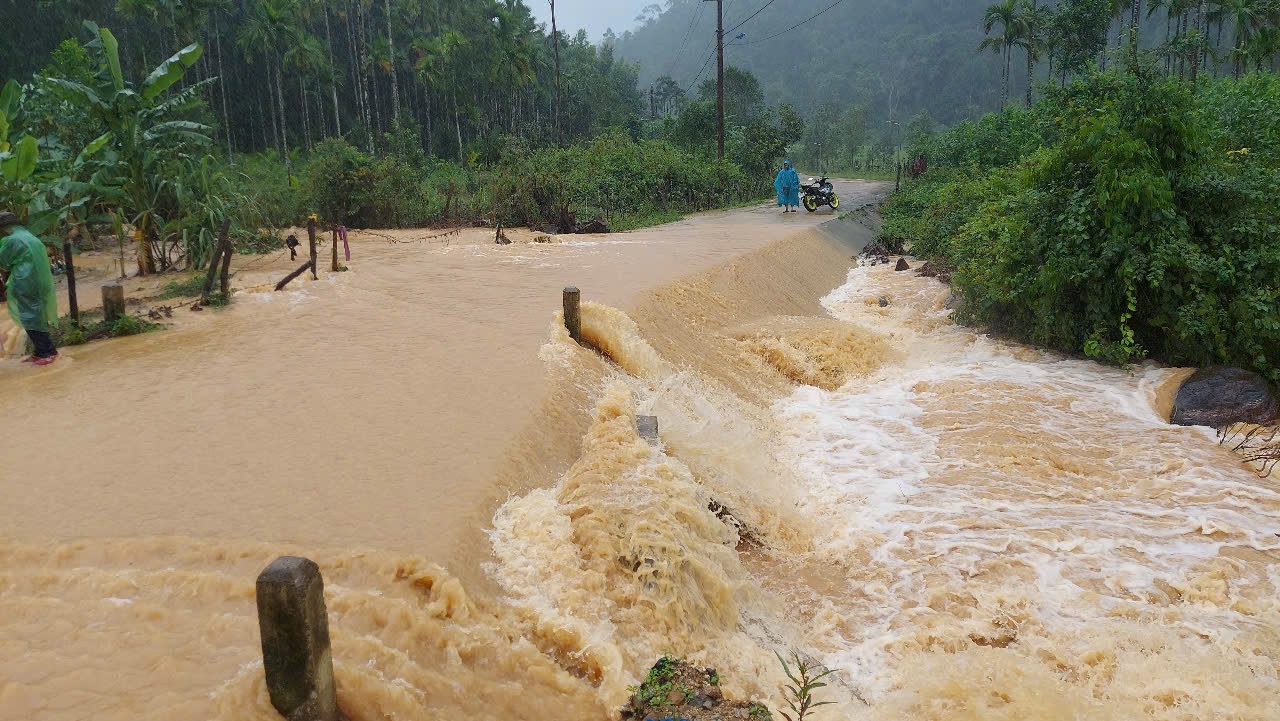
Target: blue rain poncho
[
  {"x": 33, "y": 303},
  {"x": 788, "y": 186}
]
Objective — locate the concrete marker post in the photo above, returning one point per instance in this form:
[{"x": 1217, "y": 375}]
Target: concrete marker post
[
  {"x": 112, "y": 302},
  {"x": 295, "y": 640},
  {"x": 573, "y": 313},
  {"x": 647, "y": 427}
]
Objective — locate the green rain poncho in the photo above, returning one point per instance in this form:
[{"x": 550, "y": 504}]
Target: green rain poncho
[{"x": 33, "y": 304}]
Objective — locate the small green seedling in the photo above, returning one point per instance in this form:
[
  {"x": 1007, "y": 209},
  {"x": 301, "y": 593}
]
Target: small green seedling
[{"x": 804, "y": 682}]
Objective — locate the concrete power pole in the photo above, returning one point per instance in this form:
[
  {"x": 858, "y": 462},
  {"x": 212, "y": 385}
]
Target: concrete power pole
[{"x": 719, "y": 77}]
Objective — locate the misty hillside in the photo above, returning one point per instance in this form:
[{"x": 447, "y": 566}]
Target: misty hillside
[{"x": 897, "y": 57}]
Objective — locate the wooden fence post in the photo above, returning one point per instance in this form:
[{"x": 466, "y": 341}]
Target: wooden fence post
[
  {"x": 112, "y": 302},
  {"x": 71, "y": 281},
  {"x": 311, "y": 238},
  {"x": 295, "y": 640},
  {"x": 335, "y": 250},
  {"x": 572, "y": 313}
]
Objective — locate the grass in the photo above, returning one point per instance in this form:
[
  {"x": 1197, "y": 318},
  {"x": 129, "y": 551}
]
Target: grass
[
  {"x": 93, "y": 327},
  {"x": 189, "y": 287}
]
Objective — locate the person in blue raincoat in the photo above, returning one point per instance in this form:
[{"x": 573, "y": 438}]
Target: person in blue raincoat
[
  {"x": 24, "y": 263},
  {"x": 788, "y": 186}
]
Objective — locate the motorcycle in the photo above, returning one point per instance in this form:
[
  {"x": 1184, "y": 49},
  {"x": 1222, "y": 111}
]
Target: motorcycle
[{"x": 816, "y": 193}]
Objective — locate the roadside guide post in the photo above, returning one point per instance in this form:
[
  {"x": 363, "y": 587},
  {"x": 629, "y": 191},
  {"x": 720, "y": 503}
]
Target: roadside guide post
[
  {"x": 112, "y": 302},
  {"x": 295, "y": 640},
  {"x": 572, "y": 313}
]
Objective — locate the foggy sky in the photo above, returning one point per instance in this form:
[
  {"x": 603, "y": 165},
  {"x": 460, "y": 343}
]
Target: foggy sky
[{"x": 595, "y": 16}]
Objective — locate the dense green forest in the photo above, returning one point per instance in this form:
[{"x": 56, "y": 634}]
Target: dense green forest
[
  {"x": 1128, "y": 213},
  {"x": 873, "y": 75},
  {"x": 165, "y": 119}
]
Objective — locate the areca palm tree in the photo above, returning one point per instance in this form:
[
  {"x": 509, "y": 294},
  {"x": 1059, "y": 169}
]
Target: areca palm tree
[
  {"x": 307, "y": 57},
  {"x": 268, "y": 30},
  {"x": 1246, "y": 17},
  {"x": 1033, "y": 38},
  {"x": 1008, "y": 17}
]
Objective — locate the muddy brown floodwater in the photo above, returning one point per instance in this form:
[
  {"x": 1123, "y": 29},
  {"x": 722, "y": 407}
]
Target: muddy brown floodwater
[{"x": 962, "y": 528}]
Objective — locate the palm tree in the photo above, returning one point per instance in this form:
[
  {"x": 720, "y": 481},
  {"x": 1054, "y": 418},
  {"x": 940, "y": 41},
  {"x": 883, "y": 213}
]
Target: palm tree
[
  {"x": 1009, "y": 17},
  {"x": 1134, "y": 27},
  {"x": 307, "y": 57},
  {"x": 267, "y": 31},
  {"x": 1246, "y": 17},
  {"x": 1035, "y": 23}
]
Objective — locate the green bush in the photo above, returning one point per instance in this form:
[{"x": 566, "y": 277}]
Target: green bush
[
  {"x": 1139, "y": 226},
  {"x": 129, "y": 325}
]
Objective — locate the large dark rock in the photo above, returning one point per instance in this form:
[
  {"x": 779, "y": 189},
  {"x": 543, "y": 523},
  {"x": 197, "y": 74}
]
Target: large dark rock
[
  {"x": 1220, "y": 396},
  {"x": 596, "y": 226}
]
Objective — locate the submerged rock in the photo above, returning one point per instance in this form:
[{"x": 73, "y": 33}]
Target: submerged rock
[
  {"x": 936, "y": 269},
  {"x": 675, "y": 689},
  {"x": 1220, "y": 396},
  {"x": 594, "y": 227}
]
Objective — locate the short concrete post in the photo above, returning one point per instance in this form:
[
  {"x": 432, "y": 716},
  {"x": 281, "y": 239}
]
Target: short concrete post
[
  {"x": 112, "y": 302},
  {"x": 572, "y": 313},
  {"x": 647, "y": 427},
  {"x": 295, "y": 640}
]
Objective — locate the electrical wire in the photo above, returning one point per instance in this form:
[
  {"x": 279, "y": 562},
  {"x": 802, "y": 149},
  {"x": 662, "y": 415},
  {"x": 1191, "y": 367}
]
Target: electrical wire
[
  {"x": 688, "y": 33},
  {"x": 744, "y": 22},
  {"x": 790, "y": 28}
]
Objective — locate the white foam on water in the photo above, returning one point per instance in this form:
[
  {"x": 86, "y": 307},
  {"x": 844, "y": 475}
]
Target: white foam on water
[{"x": 980, "y": 478}]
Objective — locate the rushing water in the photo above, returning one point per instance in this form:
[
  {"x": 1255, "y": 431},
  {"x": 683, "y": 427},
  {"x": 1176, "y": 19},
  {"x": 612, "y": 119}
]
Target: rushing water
[{"x": 962, "y": 527}]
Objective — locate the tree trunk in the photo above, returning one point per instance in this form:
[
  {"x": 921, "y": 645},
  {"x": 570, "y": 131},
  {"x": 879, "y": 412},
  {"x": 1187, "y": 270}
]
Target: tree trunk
[
  {"x": 306, "y": 114},
  {"x": 271, "y": 106},
  {"x": 284, "y": 125},
  {"x": 1030, "y": 76},
  {"x": 371, "y": 81},
  {"x": 222, "y": 83},
  {"x": 1134, "y": 27},
  {"x": 1004, "y": 80},
  {"x": 395, "y": 85},
  {"x": 457, "y": 125},
  {"x": 333, "y": 78}
]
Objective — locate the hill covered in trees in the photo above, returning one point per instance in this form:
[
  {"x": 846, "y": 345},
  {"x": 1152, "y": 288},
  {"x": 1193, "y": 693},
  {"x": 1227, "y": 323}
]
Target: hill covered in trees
[{"x": 893, "y": 57}]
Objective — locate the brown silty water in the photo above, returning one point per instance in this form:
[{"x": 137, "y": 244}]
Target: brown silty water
[{"x": 962, "y": 527}]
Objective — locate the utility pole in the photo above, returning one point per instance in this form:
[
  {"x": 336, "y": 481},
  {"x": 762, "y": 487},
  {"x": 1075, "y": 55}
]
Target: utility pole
[
  {"x": 555, "y": 42},
  {"x": 719, "y": 78}
]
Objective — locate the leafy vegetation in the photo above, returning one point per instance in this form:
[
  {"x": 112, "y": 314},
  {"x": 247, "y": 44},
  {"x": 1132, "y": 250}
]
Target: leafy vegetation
[
  {"x": 909, "y": 57},
  {"x": 799, "y": 693},
  {"x": 93, "y": 327},
  {"x": 1125, "y": 215},
  {"x": 387, "y": 114}
]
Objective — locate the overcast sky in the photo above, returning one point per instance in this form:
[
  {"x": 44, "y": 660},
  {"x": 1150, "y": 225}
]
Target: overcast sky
[{"x": 595, "y": 16}]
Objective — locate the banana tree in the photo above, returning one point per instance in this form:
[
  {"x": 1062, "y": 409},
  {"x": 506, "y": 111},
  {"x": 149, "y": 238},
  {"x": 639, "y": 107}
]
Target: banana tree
[
  {"x": 19, "y": 156},
  {"x": 144, "y": 126}
]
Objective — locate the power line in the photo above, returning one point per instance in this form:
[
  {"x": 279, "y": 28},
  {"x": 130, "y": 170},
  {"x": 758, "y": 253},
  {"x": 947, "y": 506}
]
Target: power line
[
  {"x": 688, "y": 33},
  {"x": 744, "y": 22},
  {"x": 705, "y": 63},
  {"x": 793, "y": 27}
]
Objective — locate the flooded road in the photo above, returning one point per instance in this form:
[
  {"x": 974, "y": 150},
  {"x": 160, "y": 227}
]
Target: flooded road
[
  {"x": 319, "y": 414},
  {"x": 962, "y": 528}
]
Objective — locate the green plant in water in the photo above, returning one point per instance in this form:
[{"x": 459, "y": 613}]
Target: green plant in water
[
  {"x": 185, "y": 288},
  {"x": 72, "y": 334},
  {"x": 799, "y": 693},
  {"x": 129, "y": 325}
]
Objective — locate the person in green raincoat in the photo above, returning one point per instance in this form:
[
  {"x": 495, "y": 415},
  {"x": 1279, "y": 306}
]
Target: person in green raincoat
[{"x": 33, "y": 304}]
